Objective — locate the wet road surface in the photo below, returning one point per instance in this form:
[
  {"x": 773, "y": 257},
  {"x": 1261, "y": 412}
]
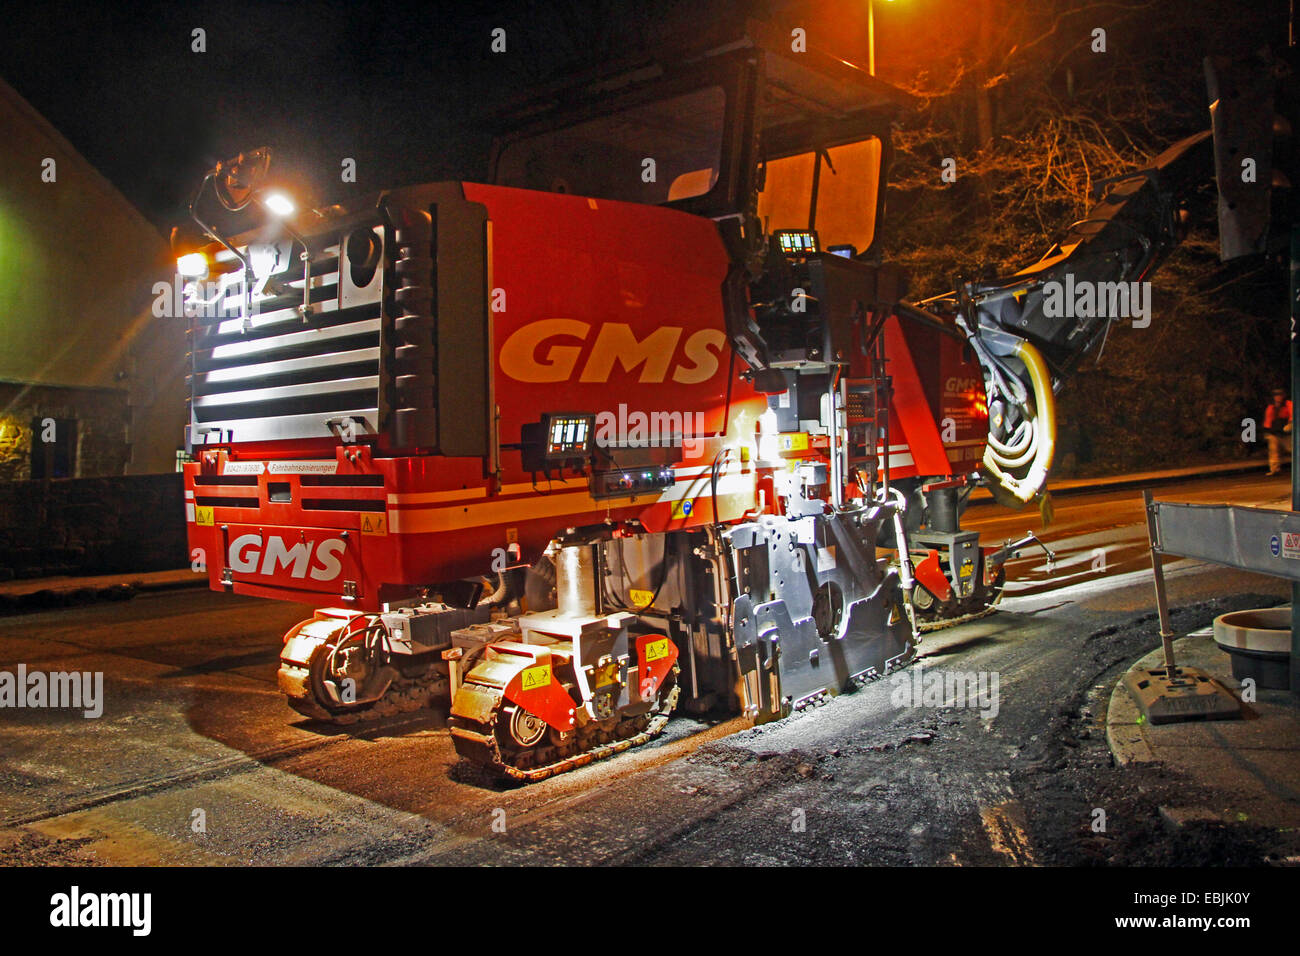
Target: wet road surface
[{"x": 197, "y": 760}]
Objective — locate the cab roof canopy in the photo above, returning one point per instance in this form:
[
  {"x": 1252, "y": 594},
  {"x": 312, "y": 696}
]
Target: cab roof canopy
[
  {"x": 813, "y": 94},
  {"x": 794, "y": 101}
]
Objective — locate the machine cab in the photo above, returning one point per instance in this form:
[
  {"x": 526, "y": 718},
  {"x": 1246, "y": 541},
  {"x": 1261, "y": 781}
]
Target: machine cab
[
  {"x": 730, "y": 126},
  {"x": 787, "y": 151}
]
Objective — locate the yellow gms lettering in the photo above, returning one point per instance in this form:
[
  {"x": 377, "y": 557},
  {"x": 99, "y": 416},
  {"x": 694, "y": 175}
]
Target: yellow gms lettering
[
  {"x": 617, "y": 342},
  {"x": 519, "y": 353},
  {"x": 531, "y": 353},
  {"x": 704, "y": 364}
]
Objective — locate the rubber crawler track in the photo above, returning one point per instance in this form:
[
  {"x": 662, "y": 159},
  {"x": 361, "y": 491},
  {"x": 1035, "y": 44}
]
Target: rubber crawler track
[
  {"x": 411, "y": 694},
  {"x": 604, "y": 751}
]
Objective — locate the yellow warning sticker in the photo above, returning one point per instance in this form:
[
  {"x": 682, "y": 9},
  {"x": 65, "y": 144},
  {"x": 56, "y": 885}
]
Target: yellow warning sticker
[
  {"x": 656, "y": 650},
  {"x": 203, "y": 515},
  {"x": 683, "y": 508},
  {"x": 374, "y": 524},
  {"x": 537, "y": 677},
  {"x": 795, "y": 441},
  {"x": 641, "y": 598}
]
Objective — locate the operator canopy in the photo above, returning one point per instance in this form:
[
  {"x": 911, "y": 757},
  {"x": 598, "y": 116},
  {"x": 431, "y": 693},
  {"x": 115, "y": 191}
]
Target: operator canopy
[{"x": 676, "y": 128}]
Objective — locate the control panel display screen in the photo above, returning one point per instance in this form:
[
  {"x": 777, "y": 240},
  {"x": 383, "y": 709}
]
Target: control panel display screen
[
  {"x": 797, "y": 242},
  {"x": 568, "y": 436}
]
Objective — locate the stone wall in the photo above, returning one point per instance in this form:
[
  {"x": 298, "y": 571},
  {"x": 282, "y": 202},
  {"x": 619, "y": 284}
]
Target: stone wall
[
  {"x": 123, "y": 524},
  {"x": 15, "y": 449},
  {"x": 101, "y": 415}
]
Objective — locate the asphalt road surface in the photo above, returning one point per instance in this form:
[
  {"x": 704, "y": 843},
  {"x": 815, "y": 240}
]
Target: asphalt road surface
[{"x": 197, "y": 760}]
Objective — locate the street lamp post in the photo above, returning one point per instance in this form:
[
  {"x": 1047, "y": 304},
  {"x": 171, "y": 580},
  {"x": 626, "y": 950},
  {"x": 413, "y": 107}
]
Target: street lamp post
[{"x": 871, "y": 36}]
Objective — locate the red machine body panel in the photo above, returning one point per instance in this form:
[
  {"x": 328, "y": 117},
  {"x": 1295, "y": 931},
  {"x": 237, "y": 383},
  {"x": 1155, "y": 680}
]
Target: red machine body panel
[
  {"x": 598, "y": 306},
  {"x": 602, "y": 307},
  {"x": 655, "y": 656},
  {"x": 939, "y": 418}
]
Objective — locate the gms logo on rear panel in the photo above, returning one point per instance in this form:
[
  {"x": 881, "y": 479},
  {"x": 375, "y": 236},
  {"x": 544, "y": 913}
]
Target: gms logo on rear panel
[
  {"x": 550, "y": 351},
  {"x": 320, "y": 559}
]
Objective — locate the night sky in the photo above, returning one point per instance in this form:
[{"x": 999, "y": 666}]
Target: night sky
[{"x": 402, "y": 89}]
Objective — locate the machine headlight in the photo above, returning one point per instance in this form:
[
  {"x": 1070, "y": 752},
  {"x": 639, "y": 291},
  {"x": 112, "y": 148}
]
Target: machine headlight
[
  {"x": 278, "y": 204},
  {"x": 192, "y": 265}
]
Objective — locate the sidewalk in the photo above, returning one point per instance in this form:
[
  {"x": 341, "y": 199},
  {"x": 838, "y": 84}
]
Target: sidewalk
[
  {"x": 1248, "y": 769},
  {"x": 1066, "y": 486},
  {"x": 63, "y": 591}
]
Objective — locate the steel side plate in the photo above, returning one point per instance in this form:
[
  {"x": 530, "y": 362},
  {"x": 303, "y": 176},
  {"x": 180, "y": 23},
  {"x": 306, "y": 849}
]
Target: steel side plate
[{"x": 1189, "y": 695}]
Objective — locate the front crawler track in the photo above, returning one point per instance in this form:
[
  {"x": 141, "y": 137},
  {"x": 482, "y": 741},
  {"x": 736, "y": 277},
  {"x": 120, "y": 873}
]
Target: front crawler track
[{"x": 488, "y": 744}]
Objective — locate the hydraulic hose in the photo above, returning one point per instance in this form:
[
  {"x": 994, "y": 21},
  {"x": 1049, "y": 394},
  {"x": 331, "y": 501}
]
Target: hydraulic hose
[
  {"x": 1020, "y": 452},
  {"x": 1042, "y": 434},
  {"x": 499, "y": 595}
]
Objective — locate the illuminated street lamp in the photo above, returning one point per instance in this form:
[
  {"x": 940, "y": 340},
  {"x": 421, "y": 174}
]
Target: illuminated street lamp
[{"x": 871, "y": 35}]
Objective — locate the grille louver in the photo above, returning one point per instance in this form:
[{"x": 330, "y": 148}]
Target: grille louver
[{"x": 275, "y": 374}]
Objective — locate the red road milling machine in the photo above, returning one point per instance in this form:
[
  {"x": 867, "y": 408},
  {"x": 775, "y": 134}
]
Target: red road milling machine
[{"x": 643, "y": 422}]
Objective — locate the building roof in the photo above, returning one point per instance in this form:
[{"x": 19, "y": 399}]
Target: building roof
[{"x": 13, "y": 99}]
